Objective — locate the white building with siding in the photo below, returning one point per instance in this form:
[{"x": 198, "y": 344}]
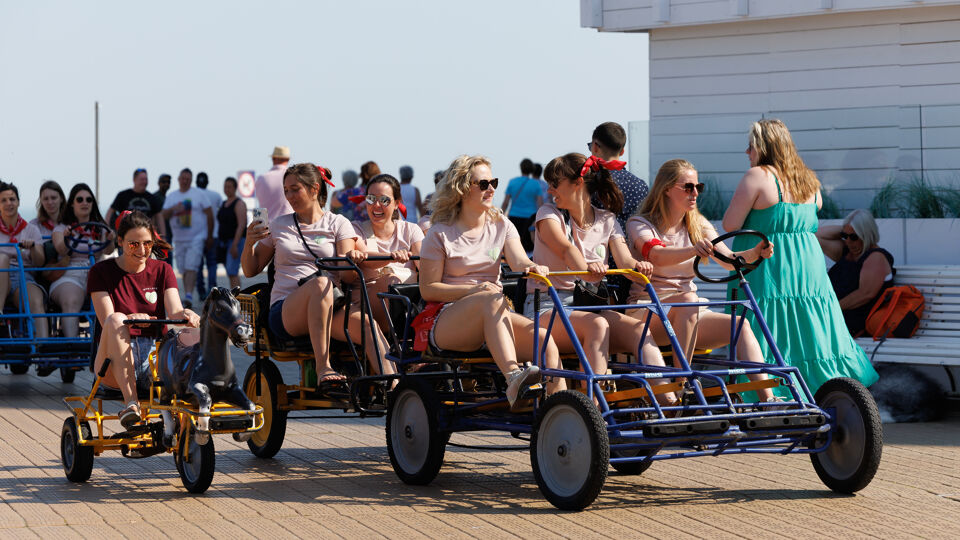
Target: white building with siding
[{"x": 854, "y": 80}]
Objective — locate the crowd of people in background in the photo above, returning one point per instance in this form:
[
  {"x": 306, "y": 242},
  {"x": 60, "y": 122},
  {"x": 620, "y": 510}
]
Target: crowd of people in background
[{"x": 588, "y": 213}]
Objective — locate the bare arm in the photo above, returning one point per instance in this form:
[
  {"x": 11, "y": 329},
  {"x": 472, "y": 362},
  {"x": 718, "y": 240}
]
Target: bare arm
[
  {"x": 160, "y": 225},
  {"x": 174, "y": 309},
  {"x": 743, "y": 198},
  {"x": 102, "y": 305},
  {"x": 506, "y": 203},
  {"x": 830, "y": 242},
  {"x": 550, "y": 232},
  {"x": 111, "y": 214},
  {"x": 875, "y": 268},
  {"x": 240, "y": 209},
  {"x": 517, "y": 258},
  {"x": 255, "y": 256}
]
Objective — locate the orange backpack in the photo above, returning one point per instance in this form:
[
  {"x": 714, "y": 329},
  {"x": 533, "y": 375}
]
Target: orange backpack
[{"x": 897, "y": 313}]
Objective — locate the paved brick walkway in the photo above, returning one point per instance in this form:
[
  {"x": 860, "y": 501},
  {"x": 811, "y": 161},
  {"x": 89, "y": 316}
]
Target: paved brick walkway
[{"x": 333, "y": 479}]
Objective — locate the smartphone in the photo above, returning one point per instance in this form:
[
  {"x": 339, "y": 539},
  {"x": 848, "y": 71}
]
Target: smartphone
[{"x": 260, "y": 214}]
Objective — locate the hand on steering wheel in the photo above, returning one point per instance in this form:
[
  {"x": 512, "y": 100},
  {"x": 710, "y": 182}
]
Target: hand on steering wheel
[
  {"x": 79, "y": 242},
  {"x": 740, "y": 266}
]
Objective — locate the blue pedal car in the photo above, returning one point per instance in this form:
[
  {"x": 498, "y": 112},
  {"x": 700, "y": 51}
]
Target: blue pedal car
[{"x": 574, "y": 441}]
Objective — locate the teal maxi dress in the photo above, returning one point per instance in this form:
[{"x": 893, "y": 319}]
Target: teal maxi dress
[{"x": 797, "y": 300}]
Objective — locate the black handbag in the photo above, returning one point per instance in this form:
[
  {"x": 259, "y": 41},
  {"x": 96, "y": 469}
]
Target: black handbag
[
  {"x": 339, "y": 299},
  {"x": 590, "y": 294}
]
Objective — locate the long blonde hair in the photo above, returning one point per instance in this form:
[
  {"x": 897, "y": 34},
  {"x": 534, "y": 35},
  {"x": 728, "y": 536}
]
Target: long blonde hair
[
  {"x": 656, "y": 206},
  {"x": 453, "y": 187},
  {"x": 775, "y": 149}
]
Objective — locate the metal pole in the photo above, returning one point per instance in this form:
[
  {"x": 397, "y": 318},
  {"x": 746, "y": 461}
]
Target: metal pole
[{"x": 96, "y": 147}]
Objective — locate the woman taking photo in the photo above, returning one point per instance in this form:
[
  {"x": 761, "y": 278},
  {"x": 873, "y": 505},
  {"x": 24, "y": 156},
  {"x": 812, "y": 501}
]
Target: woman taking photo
[
  {"x": 779, "y": 196},
  {"x": 581, "y": 240},
  {"x": 861, "y": 270},
  {"x": 134, "y": 286},
  {"x": 301, "y": 301},
  {"x": 70, "y": 290},
  {"x": 460, "y": 278},
  {"x": 669, "y": 232}
]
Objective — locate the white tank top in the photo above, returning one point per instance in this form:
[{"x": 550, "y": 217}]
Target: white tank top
[{"x": 408, "y": 192}]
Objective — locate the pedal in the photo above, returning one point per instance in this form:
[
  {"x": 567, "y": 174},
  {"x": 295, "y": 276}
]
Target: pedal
[
  {"x": 782, "y": 422},
  {"x": 532, "y": 392},
  {"x": 142, "y": 451},
  {"x": 698, "y": 427},
  {"x": 137, "y": 430}
]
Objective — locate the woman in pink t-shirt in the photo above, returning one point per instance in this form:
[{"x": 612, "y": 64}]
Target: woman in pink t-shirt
[
  {"x": 669, "y": 231},
  {"x": 134, "y": 286},
  {"x": 385, "y": 233},
  {"x": 583, "y": 243},
  {"x": 305, "y": 309},
  {"x": 460, "y": 277}
]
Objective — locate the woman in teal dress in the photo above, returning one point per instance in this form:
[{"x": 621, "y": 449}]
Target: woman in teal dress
[{"x": 779, "y": 196}]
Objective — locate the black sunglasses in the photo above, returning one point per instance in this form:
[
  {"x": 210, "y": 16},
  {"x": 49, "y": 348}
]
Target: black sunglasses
[
  {"x": 690, "y": 186},
  {"x": 852, "y": 236},
  {"x": 84, "y": 199},
  {"x": 484, "y": 184}
]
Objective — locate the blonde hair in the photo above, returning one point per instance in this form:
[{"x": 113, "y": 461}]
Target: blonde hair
[
  {"x": 656, "y": 206},
  {"x": 775, "y": 149},
  {"x": 862, "y": 223},
  {"x": 453, "y": 187}
]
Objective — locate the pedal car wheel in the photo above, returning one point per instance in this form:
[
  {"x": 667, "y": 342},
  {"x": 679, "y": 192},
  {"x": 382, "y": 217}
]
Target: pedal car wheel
[
  {"x": 569, "y": 450},
  {"x": 853, "y": 456},
  {"x": 196, "y": 472},
  {"x": 67, "y": 375},
  {"x": 266, "y": 442},
  {"x": 19, "y": 369},
  {"x": 415, "y": 445},
  {"x": 77, "y": 460}
]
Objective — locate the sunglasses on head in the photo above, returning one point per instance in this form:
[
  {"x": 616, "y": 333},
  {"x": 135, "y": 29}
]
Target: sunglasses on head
[
  {"x": 690, "y": 186},
  {"x": 135, "y": 245},
  {"x": 374, "y": 199},
  {"x": 484, "y": 184},
  {"x": 852, "y": 236},
  {"x": 138, "y": 171},
  {"x": 84, "y": 199}
]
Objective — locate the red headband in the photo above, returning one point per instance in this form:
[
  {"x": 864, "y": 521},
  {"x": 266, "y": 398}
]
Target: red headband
[
  {"x": 594, "y": 163},
  {"x": 357, "y": 199},
  {"x": 125, "y": 213},
  {"x": 323, "y": 174}
]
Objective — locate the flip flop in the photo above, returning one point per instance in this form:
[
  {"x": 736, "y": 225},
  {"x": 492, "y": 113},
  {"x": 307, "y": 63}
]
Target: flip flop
[{"x": 331, "y": 382}]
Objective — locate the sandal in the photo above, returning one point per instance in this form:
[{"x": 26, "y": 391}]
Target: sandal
[
  {"x": 331, "y": 381},
  {"x": 129, "y": 416}
]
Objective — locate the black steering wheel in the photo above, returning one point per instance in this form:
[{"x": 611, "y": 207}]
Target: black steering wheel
[
  {"x": 740, "y": 266},
  {"x": 77, "y": 243}
]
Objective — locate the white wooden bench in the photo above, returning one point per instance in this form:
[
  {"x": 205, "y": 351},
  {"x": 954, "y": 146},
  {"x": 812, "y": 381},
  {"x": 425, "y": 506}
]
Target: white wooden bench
[{"x": 937, "y": 341}]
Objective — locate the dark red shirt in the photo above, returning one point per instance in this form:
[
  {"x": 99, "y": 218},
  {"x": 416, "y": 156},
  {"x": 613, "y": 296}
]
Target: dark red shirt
[{"x": 134, "y": 293}]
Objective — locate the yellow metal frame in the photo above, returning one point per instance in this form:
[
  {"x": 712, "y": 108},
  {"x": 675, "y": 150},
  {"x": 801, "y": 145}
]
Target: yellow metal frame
[{"x": 92, "y": 410}]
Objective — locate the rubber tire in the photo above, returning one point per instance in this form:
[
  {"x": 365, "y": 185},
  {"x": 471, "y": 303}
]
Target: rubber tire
[
  {"x": 857, "y": 414},
  {"x": 564, "y": 416},
  {"x": 632, "y": 467},
  {"x": 196, "y": 477},
  {"x": 19, "y": 369},
  {"x": 267, "y": 442},
  {"x": 67, "y": 375},
  {"x": 413, "y": 415},
  {"x": 77, "y": 460}
]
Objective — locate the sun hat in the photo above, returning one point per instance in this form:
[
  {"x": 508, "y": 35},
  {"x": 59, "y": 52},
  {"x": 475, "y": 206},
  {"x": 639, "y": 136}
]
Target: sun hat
[{"x": 281, "y": 152}]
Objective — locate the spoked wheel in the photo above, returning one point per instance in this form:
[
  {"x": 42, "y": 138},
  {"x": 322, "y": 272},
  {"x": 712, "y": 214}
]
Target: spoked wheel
[
  {"x": 196, "y": 471},
  {"x": 853, "y": 456},
  {"x": 67, "y": 375},
  {"x": 77, "y": 460},
  {"x": 569, "y": 450},
  {"x": 266, "y": 442},
  {"x": 19, "y": 369},
  {"x": 415, "y": 446}
]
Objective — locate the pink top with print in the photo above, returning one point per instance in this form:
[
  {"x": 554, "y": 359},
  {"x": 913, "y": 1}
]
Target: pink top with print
[
  {"x": 593, "y": 244},
  {"x": 667, "y": 280},
  {"x": 469, "y": 258},
  {"x": 292, "y": 259}
]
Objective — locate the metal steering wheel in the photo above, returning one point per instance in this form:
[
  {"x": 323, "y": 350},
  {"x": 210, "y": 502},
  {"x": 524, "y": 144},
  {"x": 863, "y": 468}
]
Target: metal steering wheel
[
  {"x": 76, "y": 242},
  {"x": 740, "y": 266}
]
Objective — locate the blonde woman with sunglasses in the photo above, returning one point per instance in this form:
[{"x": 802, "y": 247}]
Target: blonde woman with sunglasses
[
  {"x": 779, "y": 196},
  {"x": 669, "y": 232}
]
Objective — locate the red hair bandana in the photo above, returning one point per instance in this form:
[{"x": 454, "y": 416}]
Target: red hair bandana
[
  {"x": 323, "y": 174},
  {"x": 594, "y": 163}
]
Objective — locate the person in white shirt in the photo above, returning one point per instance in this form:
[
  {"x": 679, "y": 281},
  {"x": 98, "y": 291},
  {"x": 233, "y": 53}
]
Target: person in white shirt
[{"x": 191, "y": 225}]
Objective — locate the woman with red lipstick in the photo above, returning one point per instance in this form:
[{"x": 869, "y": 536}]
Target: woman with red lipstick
[
  {"x": 669, "y": 231},
  {"x": 134, "y": 286}
]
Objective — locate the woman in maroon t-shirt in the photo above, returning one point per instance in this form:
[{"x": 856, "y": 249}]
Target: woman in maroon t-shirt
[{"x": 134, "y": 286}]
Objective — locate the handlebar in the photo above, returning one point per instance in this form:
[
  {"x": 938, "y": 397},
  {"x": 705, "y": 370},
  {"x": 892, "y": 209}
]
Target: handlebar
[
  {"x": 154, "y": 321},
  {"x": 544, "y": 278}
]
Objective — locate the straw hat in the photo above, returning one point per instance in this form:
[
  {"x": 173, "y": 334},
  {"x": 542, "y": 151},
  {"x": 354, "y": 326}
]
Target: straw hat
[{"x": 281, "y": 152}]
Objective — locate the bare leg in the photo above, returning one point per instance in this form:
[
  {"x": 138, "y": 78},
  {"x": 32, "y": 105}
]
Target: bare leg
[
  {"x": 626, "y": 333},
  {"x": 234, "y": 281},
  {"x": 70, "y": 298},
  {"x": 715, "y": 332},
  {"x": 523, "y": 332},
  {"x": 189, "y": 280},
  {"x": 35, "y": 303},
  {"x": 115, "y": 345},
  {"x": 355, "y": 333},
  {"x": 315, "y": 299}
]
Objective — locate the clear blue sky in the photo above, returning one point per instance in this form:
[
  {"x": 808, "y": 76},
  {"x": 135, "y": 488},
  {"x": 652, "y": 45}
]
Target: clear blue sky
[{"x": 215, "y": 85}]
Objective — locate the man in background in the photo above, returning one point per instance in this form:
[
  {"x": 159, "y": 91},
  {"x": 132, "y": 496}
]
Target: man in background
[
  {"x": 191, "y": 225},
  {"x": 138, "y": 198},
  {"x": 608, "y": 142},
  {"x": 269, "y": 185},
  {"x": 410, "y": 195},
  {"x": 214, "y": 200}
]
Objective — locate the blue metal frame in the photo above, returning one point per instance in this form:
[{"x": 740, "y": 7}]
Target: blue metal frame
[
  {"x": 30, "y": 349},
  {"x": 628, "y": 428}
]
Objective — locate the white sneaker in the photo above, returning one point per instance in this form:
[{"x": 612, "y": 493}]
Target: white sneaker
[{"x": 518, "y": 379}]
